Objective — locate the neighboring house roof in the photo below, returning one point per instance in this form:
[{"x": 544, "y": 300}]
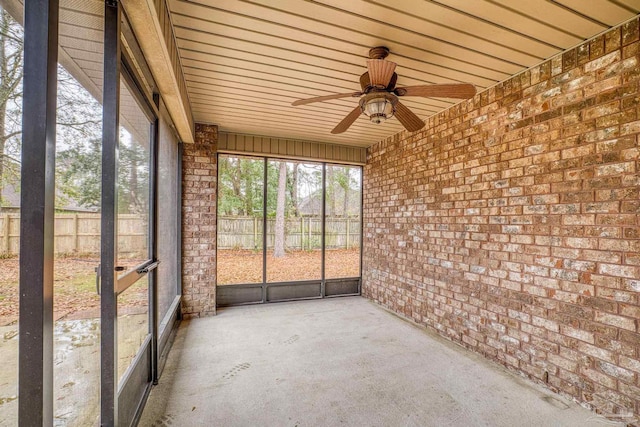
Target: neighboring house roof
[
  {"x": 312, "y": 204},
  {"x": 11, "y": 200}
]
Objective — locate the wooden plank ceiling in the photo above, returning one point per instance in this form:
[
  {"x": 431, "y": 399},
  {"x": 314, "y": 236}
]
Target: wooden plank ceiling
[{"x": 246, "y": 61}]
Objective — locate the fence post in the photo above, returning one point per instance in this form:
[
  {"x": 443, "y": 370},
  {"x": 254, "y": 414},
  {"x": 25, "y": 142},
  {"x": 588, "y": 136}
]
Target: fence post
[
  {"x": 5, "y": 233},
  {"x": 348, "y": 223},
  {"x": 302, "y": 233},
  {"x": 76, "y": 246}
]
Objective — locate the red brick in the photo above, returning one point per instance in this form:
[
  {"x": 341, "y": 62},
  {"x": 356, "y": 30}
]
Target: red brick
[
  {"x": 603, "y": 61},
  {"x": 578, "y": 334},
  {"x": 618, "y": 270},
  {"x": 198, "y": 219},
  {"x": 616, "y": 321},
  {"x": 578, "y": 220},
  {"x": 615, "y": 169},
  {"x": 630, "y": 32},
  {"x": 629, "y": 363}
]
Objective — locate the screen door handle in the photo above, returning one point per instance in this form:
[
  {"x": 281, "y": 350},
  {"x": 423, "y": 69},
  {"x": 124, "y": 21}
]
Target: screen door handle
[{"x": 97, "y": 270}]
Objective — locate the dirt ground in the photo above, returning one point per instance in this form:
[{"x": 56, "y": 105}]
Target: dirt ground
[
  {"x": 243, "y": 266},
  {"x": 75, "y": 295}
]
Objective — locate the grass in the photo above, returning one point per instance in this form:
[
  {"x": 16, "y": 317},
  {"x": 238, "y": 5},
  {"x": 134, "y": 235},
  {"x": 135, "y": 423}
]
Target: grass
[{"x": 82, "y": 283}]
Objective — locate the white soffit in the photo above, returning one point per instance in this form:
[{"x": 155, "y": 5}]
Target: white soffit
[
  {"x": 246, "y": 61},
  {"x": 80, "y": 37}
]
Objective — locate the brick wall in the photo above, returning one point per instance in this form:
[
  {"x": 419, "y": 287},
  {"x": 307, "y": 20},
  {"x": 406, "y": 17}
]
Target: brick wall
[
  {"x": 511, "y": 223},
  {"x": 199, "y": 175}
]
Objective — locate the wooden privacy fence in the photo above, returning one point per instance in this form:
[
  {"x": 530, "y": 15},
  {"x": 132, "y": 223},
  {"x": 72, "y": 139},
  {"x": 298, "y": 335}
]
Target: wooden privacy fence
[
  {"x": 302, "y": 233},
  {"x": 79, "y": 234}
]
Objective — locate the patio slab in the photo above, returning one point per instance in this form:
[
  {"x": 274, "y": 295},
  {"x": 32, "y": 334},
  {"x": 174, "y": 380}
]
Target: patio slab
[{"x": 342, "y": 361}]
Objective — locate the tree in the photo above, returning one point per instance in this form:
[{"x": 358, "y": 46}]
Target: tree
[
  {"x": 78, "y": 122},
  {"x": 331, "y": 191},
  {"x": 80, "y": 176},
  {"x": 278, "y": 248},
  {"x": 240, "y": 186},
  {"x": 249, "y": 185},
  {"x": 133, "y": 174},
  {"x": 11, "y": 72},
  {"x": 79, "y": 172},
  {"x": 344, "y": 179},
  {"x": 78, "y": 143},
  {"x": 293, "y": 190}
]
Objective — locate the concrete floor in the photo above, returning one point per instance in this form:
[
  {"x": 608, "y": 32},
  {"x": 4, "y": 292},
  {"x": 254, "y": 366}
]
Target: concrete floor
[
  {"x": 334, "y": 362},
  {"x": 76, "y": 367}
]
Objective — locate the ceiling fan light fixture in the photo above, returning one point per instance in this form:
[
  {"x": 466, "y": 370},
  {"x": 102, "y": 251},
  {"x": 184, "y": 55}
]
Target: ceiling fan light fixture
[{"x": 378, "y": 106}]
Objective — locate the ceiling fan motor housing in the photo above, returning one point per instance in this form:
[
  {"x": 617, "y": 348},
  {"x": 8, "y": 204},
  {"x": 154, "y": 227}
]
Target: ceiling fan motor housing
[{"x": 365, "y": 83}]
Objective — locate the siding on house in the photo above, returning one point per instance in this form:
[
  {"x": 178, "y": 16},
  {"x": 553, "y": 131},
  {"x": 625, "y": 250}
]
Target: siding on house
[{"x": 284, "y": 148}]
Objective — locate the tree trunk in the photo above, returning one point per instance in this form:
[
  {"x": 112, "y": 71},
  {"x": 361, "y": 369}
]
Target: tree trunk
[
  {"x": 3, "y": 112},
  {"x": 294, "y": 190},
  {"x": 345, "y": 187},
  {"x": 134, "y": 205},
  {"x": 4, "y": 28},
  {"x": 248, "y": 188},
  {"x": 331, "y": 197},
  {"x": 278, "y": 248},
  {"x": 236, "y": 177},
  {"x": 10, "y": 77}
]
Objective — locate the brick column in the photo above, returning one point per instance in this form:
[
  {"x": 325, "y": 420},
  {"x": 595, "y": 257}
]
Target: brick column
[{"x": 199, "y": 177}]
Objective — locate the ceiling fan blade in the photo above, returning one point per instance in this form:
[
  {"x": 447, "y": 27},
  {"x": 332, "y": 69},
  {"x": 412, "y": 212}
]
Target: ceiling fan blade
[
  {"x": 380, "y": 72},
  {"x": 365, "y": 81},
  {"x": 326, "y": 98},
  {"x": 347, "y": 121},
  {"x": 460, "y": 90},
  {"x": 409, "y": 120}
]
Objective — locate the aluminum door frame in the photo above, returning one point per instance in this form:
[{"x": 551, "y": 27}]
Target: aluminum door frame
[
  {"x": 35, "y": 355},
  {"x": 121, "y": 402}
]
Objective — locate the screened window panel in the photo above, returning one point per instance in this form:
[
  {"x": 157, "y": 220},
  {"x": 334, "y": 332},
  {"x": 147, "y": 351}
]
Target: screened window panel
[
  {"x": 343, "y": 196},
  {"x": 240, "y": 220},
  {"x": 168, "y": 205}
]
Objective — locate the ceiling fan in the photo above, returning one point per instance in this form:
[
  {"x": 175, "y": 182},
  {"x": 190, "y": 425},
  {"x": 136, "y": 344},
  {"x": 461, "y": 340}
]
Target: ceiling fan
[{"x": 380, "y": 100}]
